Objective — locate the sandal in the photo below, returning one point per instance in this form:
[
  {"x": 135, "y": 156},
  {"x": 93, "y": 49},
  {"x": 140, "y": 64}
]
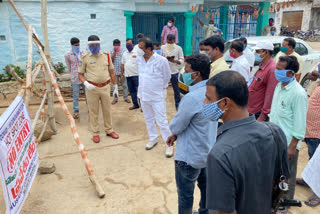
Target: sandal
[
  {"x": 76, "y": 115},
  {"x": 311, "y": 201}
]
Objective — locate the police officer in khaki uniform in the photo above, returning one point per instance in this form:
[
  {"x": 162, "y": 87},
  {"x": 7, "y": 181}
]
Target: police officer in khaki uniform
[{"x": 98, "y": 67}]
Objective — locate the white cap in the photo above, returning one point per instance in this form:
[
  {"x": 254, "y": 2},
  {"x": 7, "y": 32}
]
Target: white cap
[{"x": 266, "y": 45}]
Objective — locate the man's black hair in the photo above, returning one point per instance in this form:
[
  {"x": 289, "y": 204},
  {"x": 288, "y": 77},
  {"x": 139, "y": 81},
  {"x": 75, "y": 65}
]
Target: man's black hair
[
  {"x": 157, "y": 44},
  {"x": 215, "y": 41},
  {"x": 116, "y": 42},
  {"x": 200, "y": 63},
  {"x": 74, "y": 40},
  {"x": 171, "y": 37},
  {"x": 129, "y": 39},
  {"x": 93, "y": 38},
  {"x": 291, "y": 42},
  {"x": 271, "y": 19},
  {"x": 292, "y": 63},
  {"x": 201, "y": 43},
  {"x": 270, "y": 51},
  {"x": 244, "y": 40},
  {"x": 231, "y": 84},
  {"x": 171, "y": 19},
  {"x": 237, "y": 45},
  {"x": 140, "y": 36},
  {"x": 148, "y": 42}
]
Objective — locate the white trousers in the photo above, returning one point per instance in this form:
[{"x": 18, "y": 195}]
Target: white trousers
[
  {"x": 155, "y": 112},
  {"x": 311, "y": 174}
]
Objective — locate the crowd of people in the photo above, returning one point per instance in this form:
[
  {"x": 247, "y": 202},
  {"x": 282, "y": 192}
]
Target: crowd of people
[{"x": 225, "y": 142}]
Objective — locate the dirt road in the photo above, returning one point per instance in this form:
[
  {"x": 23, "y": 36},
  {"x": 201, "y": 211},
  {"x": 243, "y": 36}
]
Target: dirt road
[{"x": 136, "y": 181}]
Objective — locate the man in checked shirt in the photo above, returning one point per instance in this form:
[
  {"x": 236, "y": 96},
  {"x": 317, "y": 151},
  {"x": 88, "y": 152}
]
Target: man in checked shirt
[{"x": 72, "y": 62}]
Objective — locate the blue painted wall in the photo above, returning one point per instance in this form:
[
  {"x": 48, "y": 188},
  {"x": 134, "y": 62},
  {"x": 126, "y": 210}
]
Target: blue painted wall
[{"x": 65, "y": 20}]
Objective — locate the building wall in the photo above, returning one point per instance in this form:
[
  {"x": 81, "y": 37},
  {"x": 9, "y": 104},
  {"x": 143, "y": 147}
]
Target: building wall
[
  {"x": 315, "y": 18},
  {"x": 301, "y": 6},
  {"x": 65, "y": 20}
]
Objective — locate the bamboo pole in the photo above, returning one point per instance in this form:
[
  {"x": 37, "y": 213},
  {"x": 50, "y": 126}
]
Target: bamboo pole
[
  {"x": 49, "y": 90},
  {"x": 43, "y": 130},
  {"x": 10, "y": 70},
  {"x": 35, "y": 72},
  {"x": 29, "y": 68},
  {"x": 18, "y": 13},
  {"x": 44, "y": 27},
  {"x": 36, "y": 117}
]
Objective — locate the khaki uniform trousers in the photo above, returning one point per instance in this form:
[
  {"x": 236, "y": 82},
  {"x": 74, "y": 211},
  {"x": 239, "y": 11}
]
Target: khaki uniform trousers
[{"x": 94, "y": 98}]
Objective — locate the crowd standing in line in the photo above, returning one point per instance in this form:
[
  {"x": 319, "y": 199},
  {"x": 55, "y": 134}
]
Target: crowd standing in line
[{"x": 226, "y": 162}]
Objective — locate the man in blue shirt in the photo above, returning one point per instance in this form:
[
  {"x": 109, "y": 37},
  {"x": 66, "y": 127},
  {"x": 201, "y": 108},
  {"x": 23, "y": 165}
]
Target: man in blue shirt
[{"x": 194, "y": 134}]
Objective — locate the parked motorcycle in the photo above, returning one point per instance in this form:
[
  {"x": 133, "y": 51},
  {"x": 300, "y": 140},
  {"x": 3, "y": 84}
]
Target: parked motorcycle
[
  {"x": 304, "y": 35},
  {"x": 315, "y": 35},
  {"x": 284, "y": 31}
]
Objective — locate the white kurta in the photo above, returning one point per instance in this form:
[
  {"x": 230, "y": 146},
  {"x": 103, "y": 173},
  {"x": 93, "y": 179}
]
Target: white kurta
[
  {"x": 154, "y": 77},
  {"x": 311, "y": 174}
]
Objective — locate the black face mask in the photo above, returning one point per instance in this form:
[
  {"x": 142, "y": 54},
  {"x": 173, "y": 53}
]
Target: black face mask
[{"x": 129, "y": 47}]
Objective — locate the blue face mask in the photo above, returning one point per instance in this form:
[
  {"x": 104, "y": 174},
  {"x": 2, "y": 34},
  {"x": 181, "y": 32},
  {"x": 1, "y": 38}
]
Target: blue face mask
[
  {"x": 281, "y": 76},
  {"x": 319, "y": 69},
  {"x": 75, "y": 50},
  {"x": 258, "y": 57},
  {"x": 94, "y": 49},
  {"x": 284, "y": 49},
  {"x": 187, "y": 78},
  {"x": 211, "y": 111},
  {"x": 244, "y": 46},
  {"x": 157, "y": 51},
  {"x": 272, "y": 32}
]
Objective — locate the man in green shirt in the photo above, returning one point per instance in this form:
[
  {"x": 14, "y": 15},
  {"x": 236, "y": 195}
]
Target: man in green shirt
[{"x": 289, "y": 111}]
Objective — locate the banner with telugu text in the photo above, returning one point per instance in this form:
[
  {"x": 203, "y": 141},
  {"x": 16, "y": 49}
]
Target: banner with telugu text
[{"x": 18, "y": 155}]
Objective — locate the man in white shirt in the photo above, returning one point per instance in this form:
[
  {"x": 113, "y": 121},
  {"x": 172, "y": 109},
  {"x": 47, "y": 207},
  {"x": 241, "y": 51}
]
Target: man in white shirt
[
  {"x": 248, "y": 53},
  {"x": 129, "y": 71},
  {"x": 154, "y": 76},
  {"x": 240, "y": 63},
  {"x": 175, "y": 57}
]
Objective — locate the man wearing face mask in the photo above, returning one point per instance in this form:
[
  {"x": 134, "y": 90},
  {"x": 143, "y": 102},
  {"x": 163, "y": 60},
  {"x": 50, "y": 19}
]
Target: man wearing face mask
[
  {"x": 129, "y": 70},
  {"x": 116, "y": 56},
  {"x": 214, "y": 48},
  {"x": 242, "y": 163},
  {"x": 289, "y": 111},
  {"x": 72, "y": 62},
  {"x": 287, "y": 49},
  {"x": 209, "y": 29},
  {"x": 169, "y": 29},
  {"x": 98, "y": 67},
  {"x": 240, "y": 62},
  {"x": 267, "y": 28},
  {"x": 264, "y": 82},
  {"x": 174, "y": 55},
  {"x": 247, "y": 52},
  {"x": 154, "y": 76},
  {"x": 194, "y": 140}
]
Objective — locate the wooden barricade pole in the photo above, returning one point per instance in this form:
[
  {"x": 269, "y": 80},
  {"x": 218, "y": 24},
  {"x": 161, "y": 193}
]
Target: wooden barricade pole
[{"x": 29, "y": 68}]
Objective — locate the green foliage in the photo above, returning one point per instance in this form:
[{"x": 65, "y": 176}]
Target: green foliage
[
  {"x": 8, "y": 77},
  {"x": 60, "y": 68}
]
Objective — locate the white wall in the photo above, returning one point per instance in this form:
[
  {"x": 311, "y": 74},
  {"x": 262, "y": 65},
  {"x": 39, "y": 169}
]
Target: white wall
[{"x": 302, "y": 6}]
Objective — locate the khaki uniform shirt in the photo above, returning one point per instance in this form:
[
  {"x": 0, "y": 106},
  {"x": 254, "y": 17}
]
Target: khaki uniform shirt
[{"x": 96, "y": 67}]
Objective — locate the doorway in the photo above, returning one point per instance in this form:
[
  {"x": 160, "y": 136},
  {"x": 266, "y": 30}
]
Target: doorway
[{"x": 151, "y": 25}]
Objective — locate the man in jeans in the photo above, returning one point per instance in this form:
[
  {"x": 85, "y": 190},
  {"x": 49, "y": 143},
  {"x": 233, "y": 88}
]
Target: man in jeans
[
  {"x": 72, "y": 62},
  {"x": 174, "y": 55},
  {"x": 289, "y": 111},
  {"x": 129, "y": 71},
  {"x": 116, "y": 56},
  {"x": 194, "y": 134}
]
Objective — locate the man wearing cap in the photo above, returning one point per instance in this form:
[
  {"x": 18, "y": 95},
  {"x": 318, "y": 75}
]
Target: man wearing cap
[
  {"x": 217, "y": 32},
  {"x": 98, "y": 67},
  {"x": 264, "y": 82}
]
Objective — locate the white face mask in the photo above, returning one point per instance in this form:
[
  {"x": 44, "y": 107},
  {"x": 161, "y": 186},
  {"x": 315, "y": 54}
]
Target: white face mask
[
  {"x": 140, "y": 52},
  {"x": 211, "y": 25},
  {"x": 169, "y": 24}
]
